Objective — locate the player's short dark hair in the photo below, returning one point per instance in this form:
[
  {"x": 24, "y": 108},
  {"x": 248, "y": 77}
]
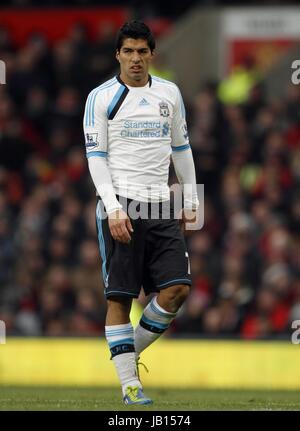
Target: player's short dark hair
[{"x": 135, "y": 30}]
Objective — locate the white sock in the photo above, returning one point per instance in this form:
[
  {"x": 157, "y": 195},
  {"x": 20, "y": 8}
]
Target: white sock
[
  {"x": 120, "y": 339},
  {"x": 154, "y": 321}
]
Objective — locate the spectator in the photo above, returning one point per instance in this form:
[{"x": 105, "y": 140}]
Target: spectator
[{"x": 244, "y": 262}]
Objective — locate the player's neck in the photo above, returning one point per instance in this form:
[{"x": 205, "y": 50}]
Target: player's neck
[{"x": 133, "y": 83}]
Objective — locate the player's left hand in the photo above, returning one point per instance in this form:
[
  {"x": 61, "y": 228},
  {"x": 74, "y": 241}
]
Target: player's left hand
[{"x": 187, "y": 217}]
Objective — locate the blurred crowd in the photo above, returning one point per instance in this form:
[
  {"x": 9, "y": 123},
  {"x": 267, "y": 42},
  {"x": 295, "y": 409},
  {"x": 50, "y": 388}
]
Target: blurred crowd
[{"x": 245, "y": 262}]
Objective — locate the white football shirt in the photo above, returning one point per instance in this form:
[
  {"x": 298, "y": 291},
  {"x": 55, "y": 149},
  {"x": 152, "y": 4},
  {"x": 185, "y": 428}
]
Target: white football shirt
[{"x": 136, "y": 129}]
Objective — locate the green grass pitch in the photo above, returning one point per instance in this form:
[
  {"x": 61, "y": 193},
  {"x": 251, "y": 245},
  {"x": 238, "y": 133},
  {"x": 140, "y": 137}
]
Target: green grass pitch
[{"x": 70, "y": 398}]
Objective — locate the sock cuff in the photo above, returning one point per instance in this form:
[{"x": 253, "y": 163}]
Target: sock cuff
[
  {"x": 155, "y": 319},
  {"x": 118, "y": 329},
  {"x": 121, "y": 348},
  {"x": 156, "y": 308},
  {"x": 120, "y": 339}
]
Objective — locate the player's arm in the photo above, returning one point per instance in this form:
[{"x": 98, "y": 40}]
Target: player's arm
[
  {"x": 183, "y": 161},
  {"x": 95, "y": 131}
]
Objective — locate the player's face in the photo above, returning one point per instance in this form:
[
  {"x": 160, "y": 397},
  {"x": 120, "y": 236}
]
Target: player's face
[{"x": 134, "y": 57}]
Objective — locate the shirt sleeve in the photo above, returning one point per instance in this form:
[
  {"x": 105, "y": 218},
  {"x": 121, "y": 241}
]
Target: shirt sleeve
[
  {"x": 179, "y": 134},
  {"x": 102, "y": 180},
  {"x": 95, "y": 132},
  {"x": 182, "y": 155},
  {"x": 95, "y": 126},
  {"x": 185, "y": 171}
]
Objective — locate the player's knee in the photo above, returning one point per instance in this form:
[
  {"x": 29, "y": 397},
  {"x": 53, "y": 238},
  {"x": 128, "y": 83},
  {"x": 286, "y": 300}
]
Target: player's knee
[
  {"x": 176, "y": 295},
  {"x": 181, "y": 292}
]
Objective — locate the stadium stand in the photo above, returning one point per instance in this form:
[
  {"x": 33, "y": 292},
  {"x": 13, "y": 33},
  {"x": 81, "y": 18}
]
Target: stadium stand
[{"x": 246, "y": 259}]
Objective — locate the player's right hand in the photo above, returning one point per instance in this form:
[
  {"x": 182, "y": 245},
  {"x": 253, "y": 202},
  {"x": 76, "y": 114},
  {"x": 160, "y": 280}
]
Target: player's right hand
[{"x": 120, "y": 226}]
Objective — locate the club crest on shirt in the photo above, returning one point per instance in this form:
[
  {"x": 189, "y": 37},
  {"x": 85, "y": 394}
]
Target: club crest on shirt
[
  {"x": 164, "y": 109},
  {"x": 91, "y": 140}
]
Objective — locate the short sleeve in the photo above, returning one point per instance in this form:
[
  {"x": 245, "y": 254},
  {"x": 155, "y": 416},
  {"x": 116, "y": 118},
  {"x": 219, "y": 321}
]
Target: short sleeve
[
  {"x": 180, "y": 138},
  {"x": 95, "y": 125}
]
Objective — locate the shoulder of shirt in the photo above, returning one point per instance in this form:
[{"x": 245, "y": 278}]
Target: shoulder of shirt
[
  {"x": 105, "y": 87},
  {"x": 158, "y": 80},
  {"x": 166, "y": 84}
]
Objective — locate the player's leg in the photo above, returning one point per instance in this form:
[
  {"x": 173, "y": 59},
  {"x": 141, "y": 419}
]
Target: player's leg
[
  {"x": 120, "y": 274},
  {"x": 167, "y": 272},
  {"x": 120, "y": 337},
  {"x": 158, "y": 315},
  {"x": 172, "y": 298}
]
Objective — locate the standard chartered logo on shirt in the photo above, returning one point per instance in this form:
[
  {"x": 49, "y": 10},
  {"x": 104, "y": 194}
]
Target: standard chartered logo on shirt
[{"x": 144, "y": 129}]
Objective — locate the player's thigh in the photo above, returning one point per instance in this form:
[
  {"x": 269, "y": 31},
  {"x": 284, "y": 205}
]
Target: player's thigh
[
  {"x": 122, "y": 264},
  {"x": 166, "y": 255}
]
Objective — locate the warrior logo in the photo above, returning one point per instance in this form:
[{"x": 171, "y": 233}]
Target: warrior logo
[{"x": 164, "y": 109}]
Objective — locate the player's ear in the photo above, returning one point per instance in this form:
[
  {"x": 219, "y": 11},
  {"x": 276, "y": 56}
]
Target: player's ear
[{"x": 118, "y": 55}]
